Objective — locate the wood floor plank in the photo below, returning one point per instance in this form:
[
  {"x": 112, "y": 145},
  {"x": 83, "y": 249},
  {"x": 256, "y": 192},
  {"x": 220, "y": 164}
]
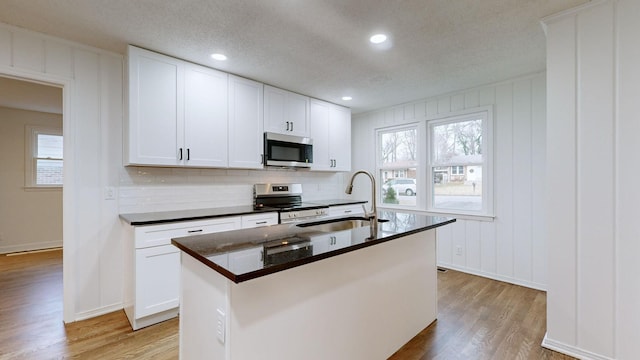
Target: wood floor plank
[{"x": 478, "y": 318}]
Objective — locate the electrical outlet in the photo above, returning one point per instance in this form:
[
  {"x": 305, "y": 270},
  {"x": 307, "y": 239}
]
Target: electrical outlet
[
  {"x": 458, "y": 250},
  {"x": 109, "y": 193},
  {"x": 220, "y": 325}
]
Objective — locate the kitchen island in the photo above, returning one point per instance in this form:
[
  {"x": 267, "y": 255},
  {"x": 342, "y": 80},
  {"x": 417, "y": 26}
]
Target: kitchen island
[{"x": 328, "y": 291}]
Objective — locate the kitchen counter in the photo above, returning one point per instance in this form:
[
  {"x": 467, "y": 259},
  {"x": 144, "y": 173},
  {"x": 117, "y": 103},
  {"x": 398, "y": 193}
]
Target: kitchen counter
[
  {"x": 160, "y": 217},
  {"x": 293, "y": 292},
  {"x": 227, "y": 252}
]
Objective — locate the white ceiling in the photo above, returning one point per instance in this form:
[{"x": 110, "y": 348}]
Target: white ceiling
[{"x": 318, "y": 48}]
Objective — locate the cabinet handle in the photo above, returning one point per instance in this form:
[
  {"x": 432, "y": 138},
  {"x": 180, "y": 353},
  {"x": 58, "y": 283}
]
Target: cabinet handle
[
  {"x": 188, "y": 154},
  {"x": 292, "y": 126},
  {"x": 261, "y": 222},
  {"x": 194, "y": 231},
  {"x": 287, "y": 126},
  {"x": 347, "y": 211},
  {"x": 261, "y": 158},
  {"x": 180, "y": 154}
]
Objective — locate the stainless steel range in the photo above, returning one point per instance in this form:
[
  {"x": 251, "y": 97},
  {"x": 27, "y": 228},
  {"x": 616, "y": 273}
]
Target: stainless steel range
[{"x": 287, "y": 200}]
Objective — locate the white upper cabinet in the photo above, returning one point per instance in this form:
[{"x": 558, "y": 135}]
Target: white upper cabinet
[
  {"x": 205, "y": 117},
  {"x": 245, "y": 123},
  {"x": 285, "y": 112},
  {"x": 177, "y": 112},
  {"x": 154, "y": 108},
  {"x": 331, "y": 134}
]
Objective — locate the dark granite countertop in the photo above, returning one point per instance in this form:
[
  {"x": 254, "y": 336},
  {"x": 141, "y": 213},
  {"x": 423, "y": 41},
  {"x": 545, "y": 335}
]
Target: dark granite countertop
[
  {"x": 161, "y": 217},
  {"x": 337, "y": 202},
  {"x": 188, "y": 215},
  {"x": 240, "y": 255}
]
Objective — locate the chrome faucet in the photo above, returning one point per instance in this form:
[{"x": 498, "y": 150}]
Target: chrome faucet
[{"x": 373, "y": 213}]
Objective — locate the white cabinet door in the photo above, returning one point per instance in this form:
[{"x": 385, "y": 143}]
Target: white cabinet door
[
  {"x": 205, "y": 117},
  {"x": 319, "y": 132},
  {"x": 157, "y": 280},
  {"x": 340, "y": 138},
  {"x": 331, "y": 134},
  {"x": 245, "y": 123},
  {"x": 257, "y": 220},
  {"x": 285, "y": 112},
  {"x": 155, "y": 109},
  {"x": 346, "y": 210}
]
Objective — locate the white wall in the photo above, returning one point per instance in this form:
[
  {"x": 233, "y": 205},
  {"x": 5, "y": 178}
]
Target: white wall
[
  {"x": 29, "y": 218},
  {"x": 92, "y": 82},
  {"x": 593, "y": 131},
  {"x": 511, "y": 246}
]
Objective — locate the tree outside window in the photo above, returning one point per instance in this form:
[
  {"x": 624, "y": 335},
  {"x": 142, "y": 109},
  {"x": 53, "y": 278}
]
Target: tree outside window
[
  {"x": 457, "y": 162},
  {"x": 397, "y": 165}
]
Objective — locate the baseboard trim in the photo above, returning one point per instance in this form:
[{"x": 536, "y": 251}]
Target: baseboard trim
[
  {"x": 571, "y": 350},
  {"x": 97, "y": 312},
  {"x": 7, "y": 249},
  {"x": 493, "y": 276}
]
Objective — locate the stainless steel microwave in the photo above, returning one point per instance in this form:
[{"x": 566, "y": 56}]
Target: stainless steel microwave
[{"x": 287, "y": 150}]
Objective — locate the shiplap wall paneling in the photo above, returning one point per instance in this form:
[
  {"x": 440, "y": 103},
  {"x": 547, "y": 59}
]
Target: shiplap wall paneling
[
  {"x": 582, "y": 218},
  {"x": 504, "y": 186},
  {"x": 522, "y": 178},
  {"x": 92, "y": 94},
  {"x": 561, "y": 203},
  {"x": 596, "y": 153},
  {"x": 627, "y": 246},
  {"x": 510, "y": 247},
  {"x": 538, "y": 174}
]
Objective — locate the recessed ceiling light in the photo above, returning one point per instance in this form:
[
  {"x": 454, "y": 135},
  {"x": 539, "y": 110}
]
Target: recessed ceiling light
[
  {"x": 219, "y": 57},
  {"x": 347, "y": 98},
  {"x": 378, "y": 38}
]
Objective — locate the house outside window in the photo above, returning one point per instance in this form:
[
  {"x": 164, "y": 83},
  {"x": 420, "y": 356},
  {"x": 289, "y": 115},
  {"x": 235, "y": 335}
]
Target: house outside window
[
  {"x": 43, "y": 157},
  {"x": 459, "y": 155},
  {"x": 397, "y": 165}
]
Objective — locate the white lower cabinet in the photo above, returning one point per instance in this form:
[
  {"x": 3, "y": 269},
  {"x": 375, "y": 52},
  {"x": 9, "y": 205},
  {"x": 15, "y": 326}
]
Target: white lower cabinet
[
  {"x": 346, "y": 210},
  {"x": 152, "y": 291},
  {"x": 157, "y": 284},
  {"x": 257, "y": 220}
]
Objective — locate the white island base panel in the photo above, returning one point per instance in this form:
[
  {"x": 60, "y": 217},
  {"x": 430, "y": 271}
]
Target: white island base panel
[{"x": 363, "y": 304}]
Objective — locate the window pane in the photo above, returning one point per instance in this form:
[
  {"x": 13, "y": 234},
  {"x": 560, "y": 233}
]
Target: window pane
[
  {"x": 48, "y": 172},
  {"x": 461, "y": 190},
  {"x": 398, "y": 148},
  {"x": 398, "y": 186},
  {"x": 49, "y": 146},
  {"x": 459, "y": 142}
]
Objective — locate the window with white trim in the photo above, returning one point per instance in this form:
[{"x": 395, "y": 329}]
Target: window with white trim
[
  {"x": 397, "y": 165},
  {"x": 460, "y": 154},
  {"x": 43, "y": 157}
]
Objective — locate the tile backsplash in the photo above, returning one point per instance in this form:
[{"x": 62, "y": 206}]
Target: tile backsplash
[{"x": 146, "y": 189}]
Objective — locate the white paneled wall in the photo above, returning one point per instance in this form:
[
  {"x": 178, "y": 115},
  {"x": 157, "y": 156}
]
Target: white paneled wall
[
  {"x": 92, "y": 120},
  {"x": 511, "y": 246},
  {"x": 593, "y": 130}
]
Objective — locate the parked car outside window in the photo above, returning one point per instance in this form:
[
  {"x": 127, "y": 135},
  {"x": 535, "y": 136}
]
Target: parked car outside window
[{"x": 402, "y": 186}]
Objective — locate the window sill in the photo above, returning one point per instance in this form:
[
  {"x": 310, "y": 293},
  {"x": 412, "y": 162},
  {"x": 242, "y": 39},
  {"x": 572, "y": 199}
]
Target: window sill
[{"x": 42, "y": 188}]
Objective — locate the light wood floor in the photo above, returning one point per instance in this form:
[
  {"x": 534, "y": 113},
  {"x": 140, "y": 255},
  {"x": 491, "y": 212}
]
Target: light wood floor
[{"x": 478, "y": 319}]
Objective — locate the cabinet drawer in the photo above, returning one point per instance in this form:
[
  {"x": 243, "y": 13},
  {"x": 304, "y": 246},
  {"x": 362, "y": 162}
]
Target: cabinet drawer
[
  {"x": 346, "y": 210},
  {"x": 156, "y": 235},
  {"x": 257, "y": 220}
]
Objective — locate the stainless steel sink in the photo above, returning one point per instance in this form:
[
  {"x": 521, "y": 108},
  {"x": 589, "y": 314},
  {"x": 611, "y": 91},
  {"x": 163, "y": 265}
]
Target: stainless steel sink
[{"x": 338, "y": 224}]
